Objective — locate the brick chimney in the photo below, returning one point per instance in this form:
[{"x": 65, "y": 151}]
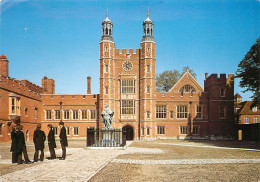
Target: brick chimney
[
  {"x": 48, "y": 85},
  {"x": 206, "y": 75},
  {"x": 89, "y": 85},
  {"x": 4, "y": 66}
]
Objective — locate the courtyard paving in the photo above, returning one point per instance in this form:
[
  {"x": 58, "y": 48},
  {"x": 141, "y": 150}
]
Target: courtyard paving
[{"x": 160, "y": 160}]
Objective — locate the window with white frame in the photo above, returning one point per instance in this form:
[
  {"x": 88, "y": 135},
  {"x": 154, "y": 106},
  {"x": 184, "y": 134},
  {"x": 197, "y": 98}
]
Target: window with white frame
[
  {"x": 68, "y": 130},
  {"x": 128, "y": 107},
  {"x": 75, "y": 114},
  {"x": 254, "y": 109},
  {"x": 195, "y": 130},
  {"x": 128, "y": 86},
  {"x": 84, "y": 114},
  {"x": 171, "y": 114},
  {"x": 160, "y": 130},
  {"x": 75, "y": 131},
  {"x": 55, "y": 129},
  {"x": 198, "y": 111},
  {"x": 161, "y": 111},
  {"x": 66, "y": 114},
  {"x": 93, "y": 114},
  {"x": 148, "y": 68},
  {"x": 182, "y": 112},
  {"x": 183, "y": 130},
  {"x": 48, "y": 114},
  {"x": 142, "y": 131},
  {"x": 222, "y": 112},
  {"x": 246, "y": 120},
  {"x": 256, "y": 119},
  {"x": 14, "y": 105},
  {"x": 57, "y": 114}
]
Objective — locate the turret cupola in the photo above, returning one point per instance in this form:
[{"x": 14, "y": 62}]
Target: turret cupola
[
  {"x": 107, "y": 29},
  {"x": 148, "y": 29}
]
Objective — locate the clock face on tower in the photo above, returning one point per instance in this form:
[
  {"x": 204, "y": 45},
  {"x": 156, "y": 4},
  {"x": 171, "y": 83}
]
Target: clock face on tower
[{"x": 127, "y": 65}]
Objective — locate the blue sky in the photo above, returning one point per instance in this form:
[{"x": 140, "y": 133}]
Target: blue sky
[{"x": 60, "y": 38}]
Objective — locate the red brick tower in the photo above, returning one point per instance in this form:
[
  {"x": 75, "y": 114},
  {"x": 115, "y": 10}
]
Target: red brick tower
[
  {"x": 147, "y": 79},
  {"x": 107, "y": 66}
]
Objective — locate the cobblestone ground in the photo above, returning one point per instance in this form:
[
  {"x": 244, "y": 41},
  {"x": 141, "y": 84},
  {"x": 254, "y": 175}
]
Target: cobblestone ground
[{"x": 141, "y": 161}]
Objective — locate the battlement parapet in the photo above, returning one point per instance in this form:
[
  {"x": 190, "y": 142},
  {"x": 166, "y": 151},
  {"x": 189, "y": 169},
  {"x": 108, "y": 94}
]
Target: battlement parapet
[
  {"x": 127, "y": 53},
  {"x": 223, "y": 78},
  {"x": 14, "y": 85},
  {"x": 32, "y": 86}
]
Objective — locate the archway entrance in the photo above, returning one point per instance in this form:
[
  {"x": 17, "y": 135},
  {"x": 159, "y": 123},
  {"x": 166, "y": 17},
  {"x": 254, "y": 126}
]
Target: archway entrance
[{"x": 129, "y": 132}]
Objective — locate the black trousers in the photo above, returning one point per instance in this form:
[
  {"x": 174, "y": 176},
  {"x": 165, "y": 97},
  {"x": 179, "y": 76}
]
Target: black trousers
[
  {"x": 63, "y": 147},
  {"x": 26, "y": 158},
  {"x": 14, "y": 157},
  {"x": 52, "y": 152},
  {"x": 36, "y": 155}
]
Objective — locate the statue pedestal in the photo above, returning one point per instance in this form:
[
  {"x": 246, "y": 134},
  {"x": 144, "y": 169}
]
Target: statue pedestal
[{"x": 106, "y": 138}]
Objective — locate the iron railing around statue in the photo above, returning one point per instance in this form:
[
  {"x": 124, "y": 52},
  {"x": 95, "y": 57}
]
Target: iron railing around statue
[{"x": 106, "y": 138}]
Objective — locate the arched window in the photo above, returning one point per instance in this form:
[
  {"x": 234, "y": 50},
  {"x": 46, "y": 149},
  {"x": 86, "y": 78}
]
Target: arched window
[
  {"x": 106, "y": 31},
  {"x": 187, "y": 88},
  {"x": 109, "y": 31}
]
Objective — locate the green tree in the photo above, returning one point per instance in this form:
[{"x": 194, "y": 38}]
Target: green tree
[
  {"x": 249, "y": 72},
  {"x": 166, "y": 79}
]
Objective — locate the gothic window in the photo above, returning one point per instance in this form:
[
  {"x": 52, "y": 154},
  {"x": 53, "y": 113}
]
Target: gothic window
[
  {"x": 93, "y": 114},
  {"x": 68, "y": 130},
  {"x": 106, "y": 31},
  {"x": 106, "y": 90},
  {"x": 55, "y": 129},
  {"x": 57, "y": 114},
  {"x": 66, "y": 114},
  {"x": 127, "y": 86},
  {"x": 26, "y": 111},
  {"x": 182, "y": 112},
  {"x": 160, "y": 130},
  {"x": 48, "y": 114},
  {"x": 128, "y": 107},
  {"x": 75, "y": 114},
  {"x": 187, "y": 88},
  {"x": 75, "y": 131},
  {"x": 84, "y": 114},
  {"x": 161, "y": 111},
  {"x": 148, "y": 131},
  {"x": 142, "y": 131},
  {"x": 256, "y": 119},
  {"x": 183, "y": 130}
]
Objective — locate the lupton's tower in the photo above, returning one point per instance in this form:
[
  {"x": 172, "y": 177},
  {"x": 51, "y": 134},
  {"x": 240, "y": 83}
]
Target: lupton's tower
[
  {"x": 107, "y": 66},
  {"x": 147, "y": 79}
]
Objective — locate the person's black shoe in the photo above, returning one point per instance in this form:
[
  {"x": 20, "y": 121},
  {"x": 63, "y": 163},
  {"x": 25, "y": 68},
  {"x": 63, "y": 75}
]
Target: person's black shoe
[{"x": 28, "y": 162}]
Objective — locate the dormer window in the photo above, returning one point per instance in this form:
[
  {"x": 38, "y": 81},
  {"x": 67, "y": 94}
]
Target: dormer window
[{"x": 254, "y": 109}]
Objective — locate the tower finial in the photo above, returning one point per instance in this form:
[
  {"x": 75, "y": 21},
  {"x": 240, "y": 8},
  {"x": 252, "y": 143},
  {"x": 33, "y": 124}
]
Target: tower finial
[
  {"x": 148, "y": 13},
  {"x": 107, "y": 12},
  {"x": 187, "y": 69}
]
